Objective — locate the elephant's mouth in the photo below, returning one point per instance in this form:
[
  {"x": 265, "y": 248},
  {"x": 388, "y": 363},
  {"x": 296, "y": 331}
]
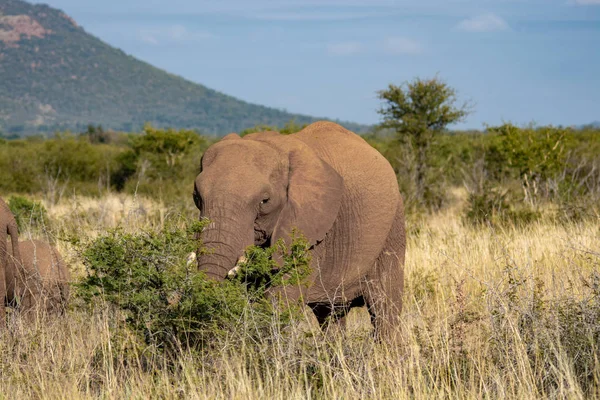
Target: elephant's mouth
[{"x": 261, "y": 238}]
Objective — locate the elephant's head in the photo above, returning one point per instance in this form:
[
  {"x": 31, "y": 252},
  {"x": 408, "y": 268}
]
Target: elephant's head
[{"x": 255, "y": 190}]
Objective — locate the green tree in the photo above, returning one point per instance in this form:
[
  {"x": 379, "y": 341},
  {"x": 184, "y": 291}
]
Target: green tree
[
  {"x": 161, "y": 160},
  {"x": 418, "y": 111},
  {"x": 165, "y": 145},
  {"x": 97, "y": 134},
  {"x": 536, "y": 157}
]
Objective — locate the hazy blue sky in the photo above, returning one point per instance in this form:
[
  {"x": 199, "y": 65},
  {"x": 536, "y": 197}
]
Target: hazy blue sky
[{"x": 517, "y": 60}]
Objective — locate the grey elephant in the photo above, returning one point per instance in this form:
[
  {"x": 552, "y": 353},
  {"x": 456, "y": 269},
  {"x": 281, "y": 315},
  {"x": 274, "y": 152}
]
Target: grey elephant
[
  {"x": 40, "y": 282},
  {"x": 333, "y": 187},
  {"x": 8, "y": 226}
]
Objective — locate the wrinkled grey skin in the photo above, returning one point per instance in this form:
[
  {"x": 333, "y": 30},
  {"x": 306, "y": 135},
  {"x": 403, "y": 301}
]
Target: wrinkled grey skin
[
  {"x": 331, "y": 185},
  {"x": 8, "y": 226},
  {"x": 40, "y": 282}
]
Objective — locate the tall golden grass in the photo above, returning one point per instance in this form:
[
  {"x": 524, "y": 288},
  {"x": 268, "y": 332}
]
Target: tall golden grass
[{"x": 482, "y": 318}]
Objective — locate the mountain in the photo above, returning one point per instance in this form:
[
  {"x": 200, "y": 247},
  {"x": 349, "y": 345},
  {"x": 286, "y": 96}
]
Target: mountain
[{"x": 55, "y": 76}]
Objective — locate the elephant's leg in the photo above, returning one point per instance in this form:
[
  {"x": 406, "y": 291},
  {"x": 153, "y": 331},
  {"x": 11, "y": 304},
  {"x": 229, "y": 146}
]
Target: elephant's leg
[
  {"x": 322, "y": 312},
  {"x": 384, "y": 302},
  {"x": 385, "y": 285},
  {"x": 340, "y": 314},
  {"x": 329, "y": 314}
]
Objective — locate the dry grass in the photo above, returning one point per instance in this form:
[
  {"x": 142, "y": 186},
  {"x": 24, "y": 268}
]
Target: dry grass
[{"x": 465, "y": 330}]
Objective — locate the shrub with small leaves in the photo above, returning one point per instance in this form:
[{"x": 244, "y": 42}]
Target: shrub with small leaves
[
  {"x": 169, "y": 302},
  {"x": 28, "y": 213},
  {"x": 261, "y": 271},
  {"x": 486, "y": 207},
  {"x": 493, "y": 207}
]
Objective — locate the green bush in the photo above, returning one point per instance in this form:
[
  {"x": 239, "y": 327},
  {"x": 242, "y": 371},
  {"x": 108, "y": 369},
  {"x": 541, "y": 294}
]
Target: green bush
[
  {"x": 540, "y": 167},
  {"x": 126, "y": 168},
  {"x": 486, "y": 207},
  {"x": 170, "y": 303},
  {"x": 28, "y": 213},
  {"x": 492, "y": 207},
  {"x": 72, "y": 158},
  {"x": 262, "y": 272},
  {"x": 535, "y": 157},
  {"x": 20, "y": 166},
  {"x": 161, "y": 163},
  {"x": 164, "y": 148},
  {"x": 577, "y": 209}
]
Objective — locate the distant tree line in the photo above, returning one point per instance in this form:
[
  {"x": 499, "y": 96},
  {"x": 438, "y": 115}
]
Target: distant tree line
[{"x": 511, "y": 174}]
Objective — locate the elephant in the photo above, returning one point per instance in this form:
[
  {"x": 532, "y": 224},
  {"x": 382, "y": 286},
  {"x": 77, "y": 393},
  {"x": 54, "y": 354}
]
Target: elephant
[
  {"x": 8, "y": 226},
  {"x": 332, "y": 186},
  {"x": 41, "y": 281}
]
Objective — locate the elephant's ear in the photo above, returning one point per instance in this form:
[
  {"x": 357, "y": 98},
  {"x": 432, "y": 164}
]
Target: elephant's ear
[{"x": 314, "y": 197}]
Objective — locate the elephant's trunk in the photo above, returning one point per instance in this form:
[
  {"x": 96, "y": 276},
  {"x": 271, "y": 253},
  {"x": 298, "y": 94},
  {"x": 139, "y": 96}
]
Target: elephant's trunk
[{"x": 225, "y": 240}]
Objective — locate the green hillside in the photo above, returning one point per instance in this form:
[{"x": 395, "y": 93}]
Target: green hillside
[{"x": 54, "y": 75}]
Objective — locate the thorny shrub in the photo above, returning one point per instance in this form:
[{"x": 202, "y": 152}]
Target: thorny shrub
[
  {"x": 28, "y": 213},
  {"x": 167, "y": 301},
  {"x": 493, "y": 207}
]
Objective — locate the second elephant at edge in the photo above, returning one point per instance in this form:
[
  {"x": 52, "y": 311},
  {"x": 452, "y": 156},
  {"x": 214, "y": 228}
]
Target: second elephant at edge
[{"x": 40, "y": 282}]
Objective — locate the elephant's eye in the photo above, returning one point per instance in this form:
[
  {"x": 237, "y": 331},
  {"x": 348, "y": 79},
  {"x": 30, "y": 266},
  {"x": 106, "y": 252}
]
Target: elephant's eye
[{"x": 264, "y": 201}]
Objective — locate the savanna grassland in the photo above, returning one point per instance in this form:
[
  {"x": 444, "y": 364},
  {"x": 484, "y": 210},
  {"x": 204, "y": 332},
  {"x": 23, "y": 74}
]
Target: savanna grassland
[{"x": 502, "y": 293}]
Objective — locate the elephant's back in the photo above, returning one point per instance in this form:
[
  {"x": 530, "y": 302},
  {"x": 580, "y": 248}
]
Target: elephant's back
[
  {"x": 362, "y": 166},
  {"x": 41, "y": 257}
]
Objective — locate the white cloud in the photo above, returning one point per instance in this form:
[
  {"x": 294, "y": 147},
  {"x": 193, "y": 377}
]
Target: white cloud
[
  {"x": 402, "y": 45},
  {"x": 172, "y": 34},
  {"x": 484, "y": 23},
  {"x": 586, "y": 2},
  {"x": 344, "y": 48},
  {"x": 178, "y": 32},
  {"x": 148, "y": 37}
]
